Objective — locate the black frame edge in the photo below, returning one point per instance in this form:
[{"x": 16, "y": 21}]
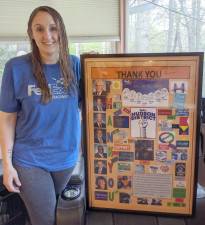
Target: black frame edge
[{"x": 84, "y": 116}]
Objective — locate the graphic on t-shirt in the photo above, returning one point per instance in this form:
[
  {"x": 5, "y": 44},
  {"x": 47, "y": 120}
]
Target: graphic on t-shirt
[{"x": 57, "y": 89}]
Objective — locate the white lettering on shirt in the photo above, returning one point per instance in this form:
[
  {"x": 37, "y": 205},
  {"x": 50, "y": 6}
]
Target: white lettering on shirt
[{"x": 33, "y": 89}]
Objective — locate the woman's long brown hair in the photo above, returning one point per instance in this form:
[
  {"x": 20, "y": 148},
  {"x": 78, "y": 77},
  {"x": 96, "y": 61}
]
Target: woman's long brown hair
[{"x": 64, "y": 61}]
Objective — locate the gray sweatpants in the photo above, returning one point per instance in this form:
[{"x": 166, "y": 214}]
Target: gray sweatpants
[{"x": 39, "y": 190}]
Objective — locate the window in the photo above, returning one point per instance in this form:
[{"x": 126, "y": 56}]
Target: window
[
  {"x": 165, "y": 26},
  {"x": 9, "y": 49},
  {"x": 105, "y": 47}
]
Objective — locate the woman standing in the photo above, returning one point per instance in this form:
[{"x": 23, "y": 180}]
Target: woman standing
[{"x": 39, "y": 118}]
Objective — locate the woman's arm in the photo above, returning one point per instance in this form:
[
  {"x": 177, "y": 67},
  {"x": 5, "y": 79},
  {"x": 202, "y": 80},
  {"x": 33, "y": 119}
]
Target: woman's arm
[{"x": 7, "y": 135}]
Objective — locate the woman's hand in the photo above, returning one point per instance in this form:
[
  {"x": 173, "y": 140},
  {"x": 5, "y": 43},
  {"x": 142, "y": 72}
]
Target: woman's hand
[
  {"x": 11, "y": 180},
  {"x": 7, "y": 137}
]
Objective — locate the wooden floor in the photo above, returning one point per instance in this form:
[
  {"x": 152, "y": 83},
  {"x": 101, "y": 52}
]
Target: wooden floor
[{"x": 108, "y": 218}]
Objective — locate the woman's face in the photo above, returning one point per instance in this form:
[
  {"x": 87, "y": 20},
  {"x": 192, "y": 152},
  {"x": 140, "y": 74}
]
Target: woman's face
[
  {"x": 102, "y": 184},
  {"x": 45, "y": 34}
]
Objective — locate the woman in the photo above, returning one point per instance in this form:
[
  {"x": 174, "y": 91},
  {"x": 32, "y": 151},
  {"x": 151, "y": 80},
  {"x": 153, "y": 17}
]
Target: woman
[
  {"x": 39, "y": 118},
  {"x": 101, "y": 183}
]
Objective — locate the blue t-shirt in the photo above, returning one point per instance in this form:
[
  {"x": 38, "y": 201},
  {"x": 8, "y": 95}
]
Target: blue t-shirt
[{"x": 47, "y": 135}]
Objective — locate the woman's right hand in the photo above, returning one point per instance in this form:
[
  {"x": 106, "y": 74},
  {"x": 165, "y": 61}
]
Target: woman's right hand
[{"x": 10, "y": 179}]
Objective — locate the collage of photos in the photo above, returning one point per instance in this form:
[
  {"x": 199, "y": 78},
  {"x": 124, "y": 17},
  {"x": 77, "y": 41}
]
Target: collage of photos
[
  {"x": 141, "y": 143},
  {"x": 143, "y": 136},
  {"x": 100, "y": 140}
]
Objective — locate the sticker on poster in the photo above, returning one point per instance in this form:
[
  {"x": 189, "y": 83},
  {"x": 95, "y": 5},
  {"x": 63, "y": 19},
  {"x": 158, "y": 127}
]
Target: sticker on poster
[
  {"x": 182, "y": 112},
  {"x": 122, "y": 167},
  {"x": 161, "y": 156},
  {"x": 179, "y": 184},
  {"x": 111, "y": 195},
  {"x": 164, "y": 169},
  {"x": 166, "y": 137},
  {"x": 149, "y": 201},
  {"x": 109, "y": 120},
  {"x": 177, "y": 86},
  {"x": 115, "y": 154},
  {"x": 155, "y": 201},
  {"x": 145, "y": 93},
  {"x": 180, "y": 171},
  {"x": 116, "y": 85},
  {"x": 101, "y": 195},
  {"x": 179, "y": 200},
  {"x": 172, "y": 117},
  {"x": 164, "y": 147},
  {"x": 111, "y": 163},
  {"x": 100, "y": 166},
  {"x": 100, "y": 151},
  {"x": 172, "y": 147},
  {"x": 175, "y": 126},
  {"x": 153, "y": 169},
  {"x": 179, "y": 100},
  {"x": 184, "y": 121},
  {"x": 139, "y": 168},
  {"x": 99, "y": 136},
  {"x": 183, "y": 125},
  {"x": 179, "y": 192},
  {"x": 111, "y": 182},
  {"x": 176, "y": 204},
  {"x": 126, "y": 110},
  {"x": 118, "y": 112},
  {"x": 121, "y": 121},
  {"x": 120, "y": 137},
  {"x": 143, "y": 122},
  {"x": 183, "y": 130},
  {"x": 99, "y": 120},
  {"x": 116, "y": 101},
  {"x": 142, "y": 201},
  {"x": 144, "y": 150},
  {"x": 124, "y": 198},
  {"x": 101, "y": 183},
  {"x": 109, "y": 137},
  {"x": 109, "y": 151},
  {"x": 164, "y": 112},
  {"x": 179, "y": 91},
  {"x": 126, "y": 156},
  {"x": 179, "y": 154},
  {"x": 117, "y": 105},
  {"x": 121, "y": 147},
  {"x": 182, "y": 144},
  {"x": 152, "y": 185},
  {"x": 165, "y": 125},
  {"x": 99, "y": 103},
  {"x": 116, "y": 98},
  {"x": 124, "y": 182},
  {"x": 108, "y": 103},
  {"x": 99, "y": 88}
]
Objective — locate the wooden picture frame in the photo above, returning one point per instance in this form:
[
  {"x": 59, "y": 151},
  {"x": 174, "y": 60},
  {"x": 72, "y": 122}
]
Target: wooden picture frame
[{"x": 141, "y": 117}]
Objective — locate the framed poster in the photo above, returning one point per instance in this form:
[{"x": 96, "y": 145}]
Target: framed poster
[{"x": 141, "y": 115}]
